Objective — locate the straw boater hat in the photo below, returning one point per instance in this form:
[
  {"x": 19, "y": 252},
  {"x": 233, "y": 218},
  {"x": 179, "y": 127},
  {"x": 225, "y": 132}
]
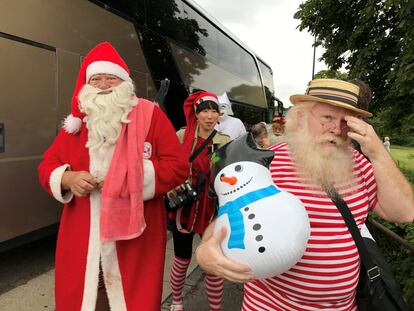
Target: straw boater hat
[{"x": 333, "y": 92}]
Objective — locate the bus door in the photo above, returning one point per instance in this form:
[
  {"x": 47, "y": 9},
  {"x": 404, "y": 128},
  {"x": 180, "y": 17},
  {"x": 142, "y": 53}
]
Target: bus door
[{"x": 28, "y": 108}]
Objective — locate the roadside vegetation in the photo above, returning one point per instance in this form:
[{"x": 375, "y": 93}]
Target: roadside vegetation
[
  {"x": 404, "y": 157},
  {"x": 370, "y": 39},
  {"x": 401, "y": 259}
]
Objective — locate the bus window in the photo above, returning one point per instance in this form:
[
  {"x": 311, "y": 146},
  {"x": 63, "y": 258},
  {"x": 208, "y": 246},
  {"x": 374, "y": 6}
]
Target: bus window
[
  {"x": 208, "y": 33},
  {"x": 248, "y": 114},
  {"x": 248, "y": 69},
  {"x": 215, "y": 78},
  {"x": 229, "y": 54},
  {"x": 267, "y": 76}
]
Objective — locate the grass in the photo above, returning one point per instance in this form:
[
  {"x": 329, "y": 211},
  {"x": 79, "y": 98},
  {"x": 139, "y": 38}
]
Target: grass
[
  {"x": 404, "y": 157},
  {"x": 401, "y": 260}
]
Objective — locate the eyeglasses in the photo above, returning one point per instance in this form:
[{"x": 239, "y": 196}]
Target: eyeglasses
[{"x": 328, "y": 121}]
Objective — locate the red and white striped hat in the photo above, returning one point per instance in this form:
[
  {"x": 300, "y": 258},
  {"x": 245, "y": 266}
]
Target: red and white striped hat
[{"x": 333, "y": 92}]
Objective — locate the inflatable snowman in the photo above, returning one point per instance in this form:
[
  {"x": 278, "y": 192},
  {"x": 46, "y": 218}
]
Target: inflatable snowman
[{"x": 267, "y": 228}]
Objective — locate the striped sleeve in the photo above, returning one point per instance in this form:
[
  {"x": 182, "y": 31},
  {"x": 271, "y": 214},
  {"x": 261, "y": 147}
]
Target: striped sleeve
[{"x": 369, "y": 179}]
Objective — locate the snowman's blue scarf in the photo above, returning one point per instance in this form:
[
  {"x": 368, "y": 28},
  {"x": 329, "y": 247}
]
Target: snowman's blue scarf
[{"x": 232, "y": 209}]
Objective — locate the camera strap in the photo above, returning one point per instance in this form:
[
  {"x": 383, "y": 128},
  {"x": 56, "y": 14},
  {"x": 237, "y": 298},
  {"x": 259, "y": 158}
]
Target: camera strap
[{"x": 198, "y": 151}]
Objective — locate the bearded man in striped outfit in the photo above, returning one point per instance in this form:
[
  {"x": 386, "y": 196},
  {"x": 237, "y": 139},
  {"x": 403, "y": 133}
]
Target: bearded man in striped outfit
[{"x": 317, "y": 153}]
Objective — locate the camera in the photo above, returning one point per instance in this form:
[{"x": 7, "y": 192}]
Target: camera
[{"x": 185, "y": 198}]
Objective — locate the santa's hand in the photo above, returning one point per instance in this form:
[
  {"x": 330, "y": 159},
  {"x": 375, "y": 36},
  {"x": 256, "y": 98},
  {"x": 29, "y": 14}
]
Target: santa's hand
[
  {"x": 365, "y": 135},
  {"x": 81, "y": 183},
  {"x": 210, "y": 257}
]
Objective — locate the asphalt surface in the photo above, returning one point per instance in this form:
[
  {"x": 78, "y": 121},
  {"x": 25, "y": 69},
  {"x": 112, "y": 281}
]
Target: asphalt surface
[
  {"x": 26, "y": 281},
  {"x": 20, "y": 265},
  {"x": 195, "y": 298}
]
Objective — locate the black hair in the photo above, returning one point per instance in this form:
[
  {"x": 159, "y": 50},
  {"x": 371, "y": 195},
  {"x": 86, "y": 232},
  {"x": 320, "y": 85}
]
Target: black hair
[
  {"x": 208, "y": 104},
  {"x": 365, "y": 94}
]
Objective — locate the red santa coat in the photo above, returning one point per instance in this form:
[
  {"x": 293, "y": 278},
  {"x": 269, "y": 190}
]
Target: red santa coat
[{"x": 133, "y": 269}]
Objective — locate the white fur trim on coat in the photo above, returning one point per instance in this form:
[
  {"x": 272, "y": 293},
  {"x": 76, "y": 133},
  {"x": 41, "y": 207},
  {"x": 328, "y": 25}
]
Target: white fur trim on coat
[
  {"x": 148, "y": 187},
  {"x": 92, "y": 259},
  {"x": 106, "y": 67},
  {"x": 55, "y": 181},
  {"x": 104, "y": 252},
  {"x": 99, "y": 251},
  {"x": 112, "y": 276},
  {"x": 72, "y": 124}
]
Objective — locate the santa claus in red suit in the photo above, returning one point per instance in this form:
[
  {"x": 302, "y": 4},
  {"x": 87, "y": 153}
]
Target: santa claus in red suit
[{"x": 110, "y": 164}]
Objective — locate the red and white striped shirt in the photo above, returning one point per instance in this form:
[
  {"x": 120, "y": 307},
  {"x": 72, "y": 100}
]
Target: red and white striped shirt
[{"x": 327, "y": 275}]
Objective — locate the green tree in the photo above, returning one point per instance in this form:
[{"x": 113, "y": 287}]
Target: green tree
[
  {"x": 371, "y": 38},
  {"x": 331, "y": 74}
]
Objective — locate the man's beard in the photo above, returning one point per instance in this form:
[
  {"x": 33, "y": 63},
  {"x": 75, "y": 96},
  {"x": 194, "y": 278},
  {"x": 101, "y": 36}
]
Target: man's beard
[
  {"x": 105, "y": 112},
  {"x": 326, "y": 165}
]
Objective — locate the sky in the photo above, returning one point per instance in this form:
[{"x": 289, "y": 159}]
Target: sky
[{"x": 268, "y": 28}]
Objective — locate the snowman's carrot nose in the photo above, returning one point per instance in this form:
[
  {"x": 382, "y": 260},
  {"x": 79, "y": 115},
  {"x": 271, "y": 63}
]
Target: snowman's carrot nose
[{"x": 230, "y": 180}]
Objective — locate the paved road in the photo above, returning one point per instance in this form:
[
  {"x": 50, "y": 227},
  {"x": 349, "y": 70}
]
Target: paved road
[
  {"x": 195, "y": 298},
  {"x": 27, "y": 276},
  {"x": 18, "y": 266}
]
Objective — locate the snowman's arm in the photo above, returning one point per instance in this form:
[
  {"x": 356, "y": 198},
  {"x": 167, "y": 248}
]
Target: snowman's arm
[{"x": 211, "y": 258}]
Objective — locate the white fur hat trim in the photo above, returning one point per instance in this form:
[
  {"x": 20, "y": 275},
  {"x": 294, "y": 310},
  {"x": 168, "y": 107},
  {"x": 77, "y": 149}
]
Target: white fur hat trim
[{"x": 106, "y": 67}]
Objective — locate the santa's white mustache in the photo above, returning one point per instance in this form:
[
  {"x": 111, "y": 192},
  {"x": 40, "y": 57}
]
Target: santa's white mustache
[
  {"x": 123, "y": 91},
  {"x": 329, "y": 138}
]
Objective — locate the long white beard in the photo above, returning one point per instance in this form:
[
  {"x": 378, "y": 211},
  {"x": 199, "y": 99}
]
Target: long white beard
[
  {"x": 105, "y": 113},
  {"x": 324, "y": 166}
]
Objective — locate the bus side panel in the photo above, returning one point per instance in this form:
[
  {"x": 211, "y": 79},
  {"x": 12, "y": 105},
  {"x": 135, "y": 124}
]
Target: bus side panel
[
  {"x": 28, "y": 111},
  {"x": 75, "y": 25},
  {"x": 68, "y": 68}
]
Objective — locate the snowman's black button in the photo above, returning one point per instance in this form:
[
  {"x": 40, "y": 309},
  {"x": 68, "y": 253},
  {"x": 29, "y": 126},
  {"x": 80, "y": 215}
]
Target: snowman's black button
[
  {"x": 259, "y": 238},
  {"x": 246, "y": 209},
  {"x": 262, "y": 249},
  {"x": 256, "y": 227},
  {"x": 251, "y": 216}
]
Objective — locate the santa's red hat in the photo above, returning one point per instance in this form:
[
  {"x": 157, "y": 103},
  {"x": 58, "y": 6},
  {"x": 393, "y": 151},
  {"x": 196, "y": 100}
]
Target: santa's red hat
[{"x": 103, "y": 58}]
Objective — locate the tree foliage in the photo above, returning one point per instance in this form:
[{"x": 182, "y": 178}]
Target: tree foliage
[
  {"x": 331, "y": 74},
  {"x": 373, "y": 40}
]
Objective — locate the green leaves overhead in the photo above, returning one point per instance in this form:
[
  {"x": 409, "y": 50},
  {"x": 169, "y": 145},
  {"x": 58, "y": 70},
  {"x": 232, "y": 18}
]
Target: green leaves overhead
[{"x": 374, "y": 41}]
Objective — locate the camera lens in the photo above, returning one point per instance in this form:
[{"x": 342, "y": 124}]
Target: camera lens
[{"x": 182, "y": 199}]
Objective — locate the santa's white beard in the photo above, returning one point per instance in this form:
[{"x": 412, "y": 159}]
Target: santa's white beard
[
  {"x": 105, "y": 113},
  {"x": 325, "y": 159}
]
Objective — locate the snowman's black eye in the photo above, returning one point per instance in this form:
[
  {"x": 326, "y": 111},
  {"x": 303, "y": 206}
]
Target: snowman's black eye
[{"x": 238, "y": 168}]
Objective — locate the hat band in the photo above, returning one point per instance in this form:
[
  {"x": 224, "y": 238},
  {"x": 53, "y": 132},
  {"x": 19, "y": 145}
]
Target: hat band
[
  {"x": 332, "y": 89},
  {"x": 207, "y": 98},
  {"x": 335, "y": 94}
]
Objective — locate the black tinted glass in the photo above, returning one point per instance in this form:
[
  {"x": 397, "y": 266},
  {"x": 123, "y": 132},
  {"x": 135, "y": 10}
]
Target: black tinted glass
[
  {"x": 248, "y": 115},
  {"x": 267, "y": 75}
]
